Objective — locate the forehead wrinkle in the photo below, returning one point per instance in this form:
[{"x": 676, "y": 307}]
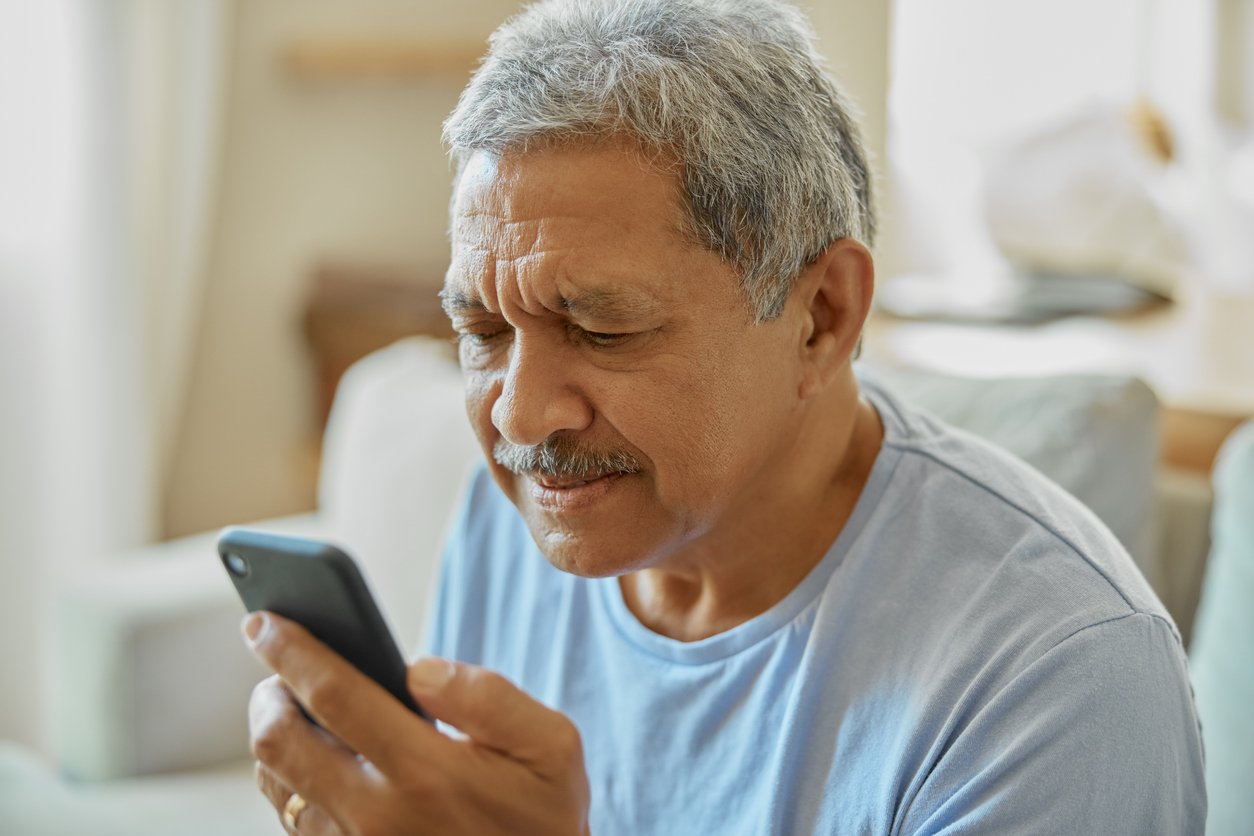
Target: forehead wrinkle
[
  {"x": 479, "y": 281},
  {"x": 526, "y": 248},
  {"x": 527, "y": 282},
  {"x": 470, "y": 269}
]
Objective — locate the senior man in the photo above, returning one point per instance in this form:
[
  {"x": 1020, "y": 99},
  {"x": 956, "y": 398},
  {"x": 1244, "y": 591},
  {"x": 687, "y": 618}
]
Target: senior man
[{"x": 710, "y": 581}]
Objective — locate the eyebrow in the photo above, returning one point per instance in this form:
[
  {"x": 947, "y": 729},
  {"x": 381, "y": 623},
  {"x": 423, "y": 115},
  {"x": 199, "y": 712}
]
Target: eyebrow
[
  {"x": 459, "y": 302},
  {"x": 610, "y": 304},
  {"x": 606, "y": 304}
]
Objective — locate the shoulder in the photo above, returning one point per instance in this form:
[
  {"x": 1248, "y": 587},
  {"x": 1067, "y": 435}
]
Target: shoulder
[
  {"x": 995, "y": 514},
  {"x": 996, "y": 569},
  {"x": 1097, "y": 734},
  {"x": 1030, "y": 634}
]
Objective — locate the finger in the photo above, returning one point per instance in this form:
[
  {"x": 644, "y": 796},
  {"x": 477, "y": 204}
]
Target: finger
[
  {"x": 313, "y": 821},
  {"x": 272, "y": 787},
  {"x": 346, "y": 702},
  {"x": 303, "y": 757},
  {"x": 492, "y": 711}
]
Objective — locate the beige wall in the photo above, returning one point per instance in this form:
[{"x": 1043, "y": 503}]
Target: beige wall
[
  {"x": 344, "y": 168},
  {"x": 350, "y": 169}
]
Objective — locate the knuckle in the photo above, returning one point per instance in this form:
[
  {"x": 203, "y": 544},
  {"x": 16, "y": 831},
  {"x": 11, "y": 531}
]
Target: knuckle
[
  {"x": 278, "y": 646},
  {"x": 263, "y": 710},
  {"x": 265, "y": 745},
  {"x": 426, "y": 786},
  {"x": 326, "y": 694},
  {"x": 271, "y": 787},
  {"x": 483, "y": 688},
  {"x": 262, "y": 696},
  {"x": 566, "y": 739},
  {"x": 268, "y": 740}
]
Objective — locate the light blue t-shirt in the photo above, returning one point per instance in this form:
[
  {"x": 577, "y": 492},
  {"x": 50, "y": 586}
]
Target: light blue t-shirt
[{"x": 975, "y": 653}]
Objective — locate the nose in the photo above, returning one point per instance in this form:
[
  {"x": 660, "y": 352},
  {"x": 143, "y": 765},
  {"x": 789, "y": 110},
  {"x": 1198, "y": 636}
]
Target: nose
[{"x": 539, "y": 395}]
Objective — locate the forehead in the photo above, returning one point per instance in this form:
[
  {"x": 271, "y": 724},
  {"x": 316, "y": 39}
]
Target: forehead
[
  {"x": 600, "y": 221},
  {"x": 614, "y": 181}
]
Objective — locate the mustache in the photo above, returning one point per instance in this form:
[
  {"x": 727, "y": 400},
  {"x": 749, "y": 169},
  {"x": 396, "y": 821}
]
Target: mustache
[{"x": 562, "y": 457}]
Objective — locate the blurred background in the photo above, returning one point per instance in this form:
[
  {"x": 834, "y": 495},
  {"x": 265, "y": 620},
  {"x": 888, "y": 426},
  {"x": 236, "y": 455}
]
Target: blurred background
[{"x": 209, "y": 208}]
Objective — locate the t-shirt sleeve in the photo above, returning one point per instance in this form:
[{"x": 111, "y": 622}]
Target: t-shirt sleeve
[{"x": 1098, "y": 735}]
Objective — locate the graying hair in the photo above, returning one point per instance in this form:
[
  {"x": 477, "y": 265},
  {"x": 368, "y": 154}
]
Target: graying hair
[{"x": 770, "y": 161}]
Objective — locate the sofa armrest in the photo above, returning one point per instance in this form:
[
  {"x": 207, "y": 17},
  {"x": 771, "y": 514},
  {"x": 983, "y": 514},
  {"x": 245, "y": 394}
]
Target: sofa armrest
[{"x": 148, "y": 671}]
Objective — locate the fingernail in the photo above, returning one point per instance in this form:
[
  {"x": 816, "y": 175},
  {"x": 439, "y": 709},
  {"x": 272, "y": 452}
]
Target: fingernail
[
  {"x": 256, "y": 628},
  {"x": 430, "y": 673}
]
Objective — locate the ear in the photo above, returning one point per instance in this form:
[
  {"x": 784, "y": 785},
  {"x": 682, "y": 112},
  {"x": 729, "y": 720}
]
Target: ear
[{"x": 834, "y": 294}]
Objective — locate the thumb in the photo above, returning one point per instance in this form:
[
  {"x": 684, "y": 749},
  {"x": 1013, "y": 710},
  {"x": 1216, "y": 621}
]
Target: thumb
[{"x": 490, "y": 710}]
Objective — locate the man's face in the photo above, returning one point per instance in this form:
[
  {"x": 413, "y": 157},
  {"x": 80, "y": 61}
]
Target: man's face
[{"x": 611, "y": 364}]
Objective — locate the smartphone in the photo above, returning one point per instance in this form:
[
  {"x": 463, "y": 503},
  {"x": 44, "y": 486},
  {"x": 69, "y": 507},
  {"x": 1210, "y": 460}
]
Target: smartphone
[{"x": 320, "y": 587}]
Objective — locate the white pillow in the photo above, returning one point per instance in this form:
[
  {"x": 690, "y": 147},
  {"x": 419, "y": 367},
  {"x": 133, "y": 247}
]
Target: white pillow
[{"x": 396, "y": 454}]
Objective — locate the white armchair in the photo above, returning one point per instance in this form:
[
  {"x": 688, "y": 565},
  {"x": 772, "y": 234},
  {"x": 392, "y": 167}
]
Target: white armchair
[
  {"x": 152, "y": 679},
  {"x": 149, "y": 674}
]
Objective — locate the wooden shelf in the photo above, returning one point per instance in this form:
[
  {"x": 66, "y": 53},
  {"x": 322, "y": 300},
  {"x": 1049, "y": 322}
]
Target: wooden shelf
[
  {"x": 1197, "y": 355},
  {"x": 322, "y": 59},
  {"x": 352, "y": 311}
]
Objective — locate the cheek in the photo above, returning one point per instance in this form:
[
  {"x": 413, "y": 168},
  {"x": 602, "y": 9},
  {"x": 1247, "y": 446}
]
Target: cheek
[
  {"x": 727, "y": 418},
  {"x": 684, "y": 426},
  {"x": 479, "y": 393},
  {"x": 708, "y": 451}
]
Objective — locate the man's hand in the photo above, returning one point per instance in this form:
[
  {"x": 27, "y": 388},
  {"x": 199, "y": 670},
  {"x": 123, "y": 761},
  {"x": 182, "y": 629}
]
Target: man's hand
[{"x": 378, "y": 768}]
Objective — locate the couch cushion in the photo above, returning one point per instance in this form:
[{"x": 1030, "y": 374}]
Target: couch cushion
[
  {"x": 34, "y": 801},
  {"x": 397, "y": 451}
]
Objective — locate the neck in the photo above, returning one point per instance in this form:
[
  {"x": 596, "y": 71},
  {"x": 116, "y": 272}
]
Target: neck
[{"x": 777, "y": 537}]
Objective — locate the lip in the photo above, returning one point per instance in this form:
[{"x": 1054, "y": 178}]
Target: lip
[{"x": 573, "y": 496}]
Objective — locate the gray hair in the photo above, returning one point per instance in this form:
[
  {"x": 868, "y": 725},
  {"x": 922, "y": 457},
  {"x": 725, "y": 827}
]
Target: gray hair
[{"x": 770, "y": 161}]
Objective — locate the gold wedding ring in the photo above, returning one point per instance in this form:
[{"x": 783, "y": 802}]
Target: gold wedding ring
[{"x": 293, "y": 808}]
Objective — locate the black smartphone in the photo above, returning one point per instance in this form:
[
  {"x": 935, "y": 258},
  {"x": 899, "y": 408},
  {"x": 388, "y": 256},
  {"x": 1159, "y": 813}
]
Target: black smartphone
[{"x": 320, "y": 587}]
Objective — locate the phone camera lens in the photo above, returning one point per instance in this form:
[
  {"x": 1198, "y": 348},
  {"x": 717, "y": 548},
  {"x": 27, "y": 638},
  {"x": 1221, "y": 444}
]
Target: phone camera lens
[{"x": 237, "y": 565}]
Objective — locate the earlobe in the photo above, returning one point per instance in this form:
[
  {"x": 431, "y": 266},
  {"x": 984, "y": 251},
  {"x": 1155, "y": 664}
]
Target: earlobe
[{"x": 836, "y": 290}]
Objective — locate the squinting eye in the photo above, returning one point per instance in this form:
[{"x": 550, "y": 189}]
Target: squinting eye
[
  {"x": 602, "y": 339},
  {"x": 481, "y": 338}
]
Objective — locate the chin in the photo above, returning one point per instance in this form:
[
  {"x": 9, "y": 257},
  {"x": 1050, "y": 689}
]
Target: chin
[
  {"x": 605, "y": 554},
  {"x": 601, "y": 530}
]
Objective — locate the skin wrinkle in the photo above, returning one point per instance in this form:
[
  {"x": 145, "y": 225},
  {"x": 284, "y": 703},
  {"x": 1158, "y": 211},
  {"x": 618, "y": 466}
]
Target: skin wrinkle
[
  {"x": 712, "y": 407},
  {"x": 604, "y": 305},
  {"x": 770, "y": 182},
  {"x": 633, "y": 306}
]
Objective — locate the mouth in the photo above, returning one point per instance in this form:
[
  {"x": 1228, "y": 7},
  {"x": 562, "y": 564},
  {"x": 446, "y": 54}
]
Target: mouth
[
  {"x": 572, "y": 493},
  {"x": 565, "y": 483}
]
